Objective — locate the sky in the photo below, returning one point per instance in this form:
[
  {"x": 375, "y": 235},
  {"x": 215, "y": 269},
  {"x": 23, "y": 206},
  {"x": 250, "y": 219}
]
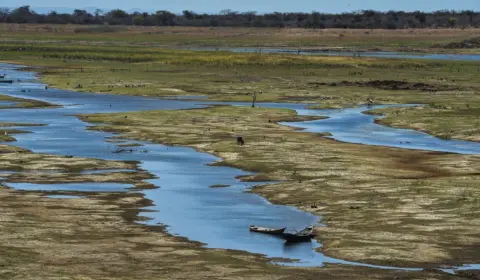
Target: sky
[{"x": 260, "y": 6}]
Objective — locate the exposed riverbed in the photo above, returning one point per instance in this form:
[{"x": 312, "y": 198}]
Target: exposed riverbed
[{"x": 218, "y": 217}]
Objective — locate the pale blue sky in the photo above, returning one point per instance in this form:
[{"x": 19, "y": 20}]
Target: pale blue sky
[{"x": 261, "y": 6}]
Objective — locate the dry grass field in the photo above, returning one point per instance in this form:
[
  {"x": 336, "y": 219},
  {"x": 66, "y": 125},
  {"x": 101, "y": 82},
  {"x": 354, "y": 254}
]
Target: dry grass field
[
  {"x": 355, "y": 39},
  {"x": 380, "y": 205}
]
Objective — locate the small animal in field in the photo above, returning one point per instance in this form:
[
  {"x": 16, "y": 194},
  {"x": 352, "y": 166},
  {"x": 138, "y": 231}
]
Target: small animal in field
[{"x": 240, "y": 141}]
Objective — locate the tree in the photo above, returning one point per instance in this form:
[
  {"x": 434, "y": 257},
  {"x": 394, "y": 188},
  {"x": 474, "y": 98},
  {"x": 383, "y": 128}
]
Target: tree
[
  {"x": 189, "y": 15},
  {"x": 138, "y": 20},
  {"x": 79, "y": 13},
  {"x": 117, "y": 13},
  {"x": 452, "y": 21},
  {"x": 470, "y": 15},
  {"x": 80, "y": 16},
  {"x": 369, "y": 13},
  {"x": 277, "y": 19},
  {"x": 228, "y": 12},
  {"x": 4, "y": 13},
  {"x": 359, "y": 19},
  {"x": 421, "y": 17},
  {"x": 118, "y": 16},
  {"x": 22, "y": 15},
  {"x": 315, "y": 19},
  {"x": 99, "y": 12},
  {"x": 250, "y": 15},
  {"x": 165, "y": 18},
  {"x": 52, "y": 17}
]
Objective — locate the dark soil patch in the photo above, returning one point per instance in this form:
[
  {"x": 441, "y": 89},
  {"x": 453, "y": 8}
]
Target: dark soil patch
[
  {"x": 388, "y": 85},
  {"x": 466, "y": 44},
  {"x": 305, "y": 98},
  {"x": 469, "y": 274}
]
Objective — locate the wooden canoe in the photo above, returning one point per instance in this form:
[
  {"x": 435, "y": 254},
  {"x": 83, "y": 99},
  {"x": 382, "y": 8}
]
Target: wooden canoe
[{"x": 272, "y": 231}]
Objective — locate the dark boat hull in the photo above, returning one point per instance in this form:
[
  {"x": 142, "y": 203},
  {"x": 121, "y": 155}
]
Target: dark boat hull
[
  {"x": 289, "y": 237},
  {"x": 302, "y": 236}
]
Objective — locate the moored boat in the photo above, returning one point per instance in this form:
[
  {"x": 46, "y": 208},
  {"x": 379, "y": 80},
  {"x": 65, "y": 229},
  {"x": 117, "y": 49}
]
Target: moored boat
[
  {"x": 272, "y": 231},
  {"x": 2, "y": 80},
  {"x": 304, "y": 235}
]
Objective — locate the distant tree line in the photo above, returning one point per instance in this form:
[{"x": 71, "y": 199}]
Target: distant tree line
[{"x": 368, "y": 19}]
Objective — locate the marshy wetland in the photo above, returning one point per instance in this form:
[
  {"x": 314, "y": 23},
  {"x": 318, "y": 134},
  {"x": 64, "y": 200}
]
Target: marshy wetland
[{"x": 380, "y": 197}]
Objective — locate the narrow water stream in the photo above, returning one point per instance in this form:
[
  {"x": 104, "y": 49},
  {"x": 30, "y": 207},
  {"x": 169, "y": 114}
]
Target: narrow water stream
[
  {"x": 6, "y": 103},
  {"x": 380, "y": 54},
  {"x": 218, "y": 217}
]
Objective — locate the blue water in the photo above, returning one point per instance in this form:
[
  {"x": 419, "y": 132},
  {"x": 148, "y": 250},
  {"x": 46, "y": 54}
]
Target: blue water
[
  {"x": 399, "y": 55},
  {"x": 184, "y": 200},
  {"x": 352, "y": 126},
  {"x": 7, "y": 103}
]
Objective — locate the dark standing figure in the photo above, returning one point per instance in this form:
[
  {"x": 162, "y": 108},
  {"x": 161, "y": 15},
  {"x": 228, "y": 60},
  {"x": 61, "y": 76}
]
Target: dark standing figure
[
  {"x": 46, "y": 87},
  {"x": 240, "y": 141},
  {"x": 254, "y": 99}
]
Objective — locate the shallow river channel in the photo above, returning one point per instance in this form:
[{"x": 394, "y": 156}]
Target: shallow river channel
[
  {"x": 184, "y": 201},
  {"x": 343, "y": 53}
]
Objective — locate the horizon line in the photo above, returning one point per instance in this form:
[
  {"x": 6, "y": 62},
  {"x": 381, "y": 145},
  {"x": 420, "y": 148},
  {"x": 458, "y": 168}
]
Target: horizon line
[{"x": 130, "y": 10}]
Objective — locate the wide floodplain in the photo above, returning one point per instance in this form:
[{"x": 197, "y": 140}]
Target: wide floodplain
[{"x": 388, "y": 204}]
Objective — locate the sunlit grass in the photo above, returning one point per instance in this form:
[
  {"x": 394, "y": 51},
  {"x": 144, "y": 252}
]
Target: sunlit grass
[
  {"x": 167, "y": 56},
  {"x": 221, "y": 75}
]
